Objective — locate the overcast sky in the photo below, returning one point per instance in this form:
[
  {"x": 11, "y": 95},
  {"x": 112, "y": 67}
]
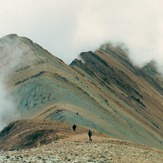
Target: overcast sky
[{"x": 68, "y": 27}]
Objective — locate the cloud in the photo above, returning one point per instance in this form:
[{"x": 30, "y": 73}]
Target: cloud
[
  {"x": 67, "y": 28},
  {"x": 8, "y": 111},
  {"x": 10, "y": 57},
  {"x": 138, "y": 24}
]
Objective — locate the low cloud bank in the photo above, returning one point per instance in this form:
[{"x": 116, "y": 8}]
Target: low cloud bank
[
  {"x": 8, "y": 111},
  {"x": 10, "y": 56}
]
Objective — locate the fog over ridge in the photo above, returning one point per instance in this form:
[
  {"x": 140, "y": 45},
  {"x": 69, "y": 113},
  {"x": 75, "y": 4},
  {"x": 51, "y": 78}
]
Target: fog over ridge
[{"x": 10, "y": 54}]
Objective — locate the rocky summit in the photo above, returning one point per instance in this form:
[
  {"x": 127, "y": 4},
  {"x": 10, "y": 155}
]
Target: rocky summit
[{"x": 102, "y": 91}]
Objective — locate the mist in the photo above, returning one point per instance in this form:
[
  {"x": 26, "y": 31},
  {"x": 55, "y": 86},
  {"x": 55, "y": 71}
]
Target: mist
[
  {"x": 10, "y": 55},
  {"x": 8, "y": 111}
]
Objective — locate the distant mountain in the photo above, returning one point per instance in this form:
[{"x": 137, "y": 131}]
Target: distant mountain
[{"x": 102, "y": 90}]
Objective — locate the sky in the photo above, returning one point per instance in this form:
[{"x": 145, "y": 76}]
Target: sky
[{"x": 68, "y": 27}]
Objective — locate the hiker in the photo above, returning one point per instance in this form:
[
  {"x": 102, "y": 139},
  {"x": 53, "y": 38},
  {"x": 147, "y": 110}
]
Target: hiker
[
  {"x": 74, "y": 127},
  {"x": 90, "y": 134}
]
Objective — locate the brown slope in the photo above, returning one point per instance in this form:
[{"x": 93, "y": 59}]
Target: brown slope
[
  {"x": 31, "y": 133},
  {"x": 66, "y": 145}
]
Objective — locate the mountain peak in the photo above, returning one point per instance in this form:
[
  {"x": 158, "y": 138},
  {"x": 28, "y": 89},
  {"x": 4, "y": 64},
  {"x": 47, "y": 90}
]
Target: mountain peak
[
  {"x": 102, "y": 91},
  {"x": 11, "y": 36}
]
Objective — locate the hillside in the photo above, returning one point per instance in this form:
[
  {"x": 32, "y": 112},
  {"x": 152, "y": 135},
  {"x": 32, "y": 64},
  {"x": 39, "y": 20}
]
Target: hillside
[
  {"x": 102, "y": 91},
  {"x": 132, "y": 93},
  {"x": 30, "y": 133}
]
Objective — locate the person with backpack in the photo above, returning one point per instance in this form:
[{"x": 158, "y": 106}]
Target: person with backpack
[
  {"x": 74, "y": 127},
  {"x": 90, "y": 135}
]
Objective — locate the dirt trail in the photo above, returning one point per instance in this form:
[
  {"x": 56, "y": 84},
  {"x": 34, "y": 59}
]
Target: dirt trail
[{"x": 77, "y": 149}]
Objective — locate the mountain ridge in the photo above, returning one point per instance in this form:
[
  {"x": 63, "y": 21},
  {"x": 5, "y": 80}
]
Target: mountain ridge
[{"x": 102, "y": 91}]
